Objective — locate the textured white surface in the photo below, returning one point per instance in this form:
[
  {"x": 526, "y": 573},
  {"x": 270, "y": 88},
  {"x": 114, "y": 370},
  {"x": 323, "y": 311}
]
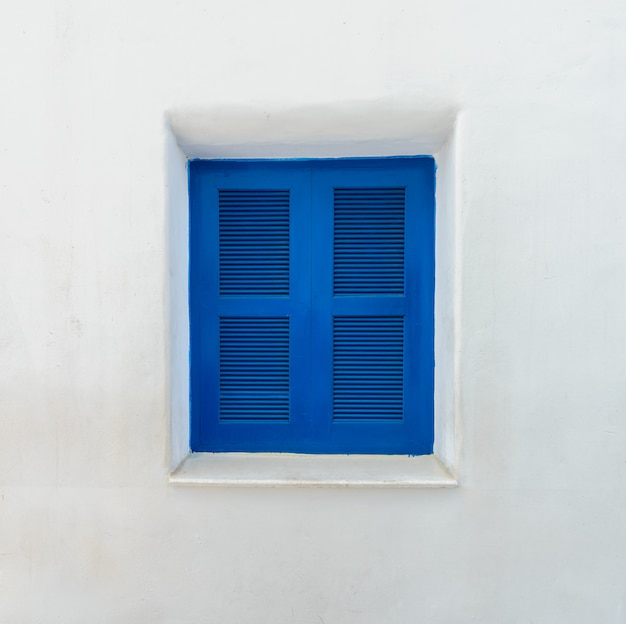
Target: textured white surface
[{"x": 92, "y": 531}]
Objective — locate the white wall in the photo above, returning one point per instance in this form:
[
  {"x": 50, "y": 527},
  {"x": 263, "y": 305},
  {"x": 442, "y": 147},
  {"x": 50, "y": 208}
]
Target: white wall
[{"x": 90, "y": 530}]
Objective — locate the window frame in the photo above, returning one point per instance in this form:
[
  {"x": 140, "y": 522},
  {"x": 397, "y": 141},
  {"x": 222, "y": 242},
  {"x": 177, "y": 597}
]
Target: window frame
[{"x": 332, "y": 130}]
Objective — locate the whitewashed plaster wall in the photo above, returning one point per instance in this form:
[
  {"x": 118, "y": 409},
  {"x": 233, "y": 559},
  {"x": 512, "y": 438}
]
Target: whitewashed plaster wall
[{"x": 90, "y": 529}]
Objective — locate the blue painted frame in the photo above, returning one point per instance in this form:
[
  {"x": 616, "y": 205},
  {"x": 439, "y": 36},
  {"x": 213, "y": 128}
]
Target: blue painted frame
[{"x": 311, "y": 305}]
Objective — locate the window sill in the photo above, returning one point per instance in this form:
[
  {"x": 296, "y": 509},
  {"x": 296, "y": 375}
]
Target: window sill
[{"x": 285, "y": 469}]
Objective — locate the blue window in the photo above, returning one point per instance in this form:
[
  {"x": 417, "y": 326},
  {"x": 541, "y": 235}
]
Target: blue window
[{"x": 311, "y": 304}]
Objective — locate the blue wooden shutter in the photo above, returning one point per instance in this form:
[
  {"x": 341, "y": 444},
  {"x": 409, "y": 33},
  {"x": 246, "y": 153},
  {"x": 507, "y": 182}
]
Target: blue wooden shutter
[
  {"x": 250, "y": 306},
  {"x": 311, "y": 305},
  {"x": 373, "y": 283}
]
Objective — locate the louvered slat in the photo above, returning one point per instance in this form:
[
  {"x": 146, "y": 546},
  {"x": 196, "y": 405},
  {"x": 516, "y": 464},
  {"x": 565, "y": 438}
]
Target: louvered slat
[
  {"x": 254, "y": 242},
  {"x": 254, "y": 369},
  {"x": 368, "y": 380},
  {"x": 369, "y": 241}
]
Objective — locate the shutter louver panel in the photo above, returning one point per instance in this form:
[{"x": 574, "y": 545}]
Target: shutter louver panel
[
  {"x": 254, "y": 369},
  {"x": 254, "y": 242},
  {"x": 369, "y": 241},
  {"x": 368, "y": 357}
]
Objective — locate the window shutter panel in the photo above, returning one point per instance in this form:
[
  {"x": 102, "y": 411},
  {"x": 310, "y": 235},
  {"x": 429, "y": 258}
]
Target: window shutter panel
[
  {"x": 254, "y": 369},
  {"x": 246, "y": 254},
  {"x": 368, "y": 368},
  {"x": 254, "y": 242},
  {"x": 368, "y": 241},
  {"x": 368, "y": 259},
  {"x": 374, "y": 278},
  {"x": 254, "y": 260}
]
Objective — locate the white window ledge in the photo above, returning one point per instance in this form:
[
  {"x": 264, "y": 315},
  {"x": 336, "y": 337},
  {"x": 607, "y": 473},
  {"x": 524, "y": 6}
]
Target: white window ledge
[{"x": 286, "y": 469}]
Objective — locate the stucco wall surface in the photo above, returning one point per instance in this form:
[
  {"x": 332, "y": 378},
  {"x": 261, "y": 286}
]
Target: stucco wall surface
[{"x": 90, "y": 528}]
